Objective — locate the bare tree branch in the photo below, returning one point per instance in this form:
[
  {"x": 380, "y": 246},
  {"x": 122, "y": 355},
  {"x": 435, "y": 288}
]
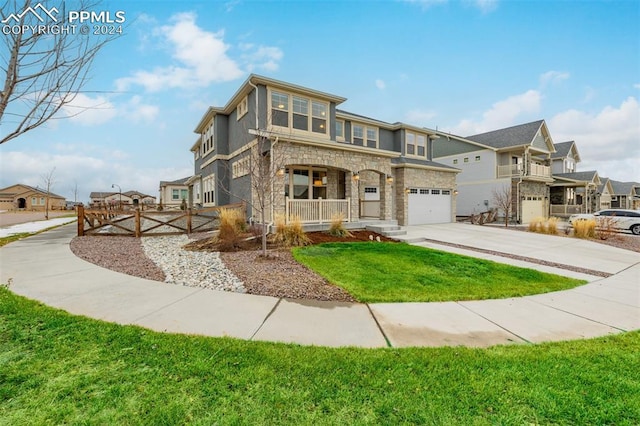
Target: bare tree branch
[
  {"x": 43, "y": 70},
  {"x": 48, "y": 181},
  {"x": 503, "y": 198}
]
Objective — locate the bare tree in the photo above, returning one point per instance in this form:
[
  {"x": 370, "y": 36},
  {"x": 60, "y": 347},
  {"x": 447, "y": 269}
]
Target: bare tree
[
  {"x": 262, "y": 163},
  {"x": 48, "y": 181},
  {"x": 503, "y": 198},
  {"x": 74, "y": 190},
  {"x": 43, "y": 69}
]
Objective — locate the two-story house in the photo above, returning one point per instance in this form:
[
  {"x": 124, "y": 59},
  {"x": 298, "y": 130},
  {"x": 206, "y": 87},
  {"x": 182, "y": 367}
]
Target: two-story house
[
  {"x": 517, "y": 157},
  {"x": 573, "y": 191},
  {"x": 625, "y": 195},
  {"x": 324, "y": 160}
]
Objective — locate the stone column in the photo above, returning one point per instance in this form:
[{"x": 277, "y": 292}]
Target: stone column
[{"x": 352, "y": 192}]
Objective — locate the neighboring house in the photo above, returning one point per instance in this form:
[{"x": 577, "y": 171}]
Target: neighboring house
[
  {"x": 517, "y": 157},
  {"x": 576, "y": 192},
  {"x": 124, "y": 199},
  {"x": 565, "y": 159},
  {"x": 25, "y": 197},
  {"x": 330, "y": 160},
  {"x": 605, "y": 191},
  {"x": 173, "y": 192},
  {"x": 625, "y": 195}
]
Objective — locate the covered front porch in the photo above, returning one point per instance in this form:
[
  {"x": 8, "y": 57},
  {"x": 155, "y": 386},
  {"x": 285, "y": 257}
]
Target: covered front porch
[
  {"x": 318, "y": 194},
  {"x": 574, "y": 193}
]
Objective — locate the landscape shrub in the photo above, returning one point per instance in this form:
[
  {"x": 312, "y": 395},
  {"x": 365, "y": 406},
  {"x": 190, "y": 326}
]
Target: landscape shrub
[
  {"x": 290, "y": 234},
  {"x": 606, "y": 228},
  {"x": 230, "y": 231},
  {"x": 537, "y": 225},
  {"x": 337, "y": 228},
  {"x": 552, "y": 226},
  {"x": 584, "y": 228}
]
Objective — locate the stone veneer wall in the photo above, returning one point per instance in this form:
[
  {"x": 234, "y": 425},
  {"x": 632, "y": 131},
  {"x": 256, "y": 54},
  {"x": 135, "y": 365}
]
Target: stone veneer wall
[
  {"x": 353, "y": 162},
  {"x": 532, "y": 188},
  {"x": 406, "y": 177}
]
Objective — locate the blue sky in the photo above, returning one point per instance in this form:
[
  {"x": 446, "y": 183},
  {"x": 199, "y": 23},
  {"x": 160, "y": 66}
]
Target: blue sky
[{"x": 460, "y": 66}]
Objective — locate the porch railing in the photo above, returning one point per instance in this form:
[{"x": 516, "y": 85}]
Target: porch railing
[
  {"x": 534, "y": 170},
  {"x": 566, "y": 209},
  {"x": 318, "y": 211}
]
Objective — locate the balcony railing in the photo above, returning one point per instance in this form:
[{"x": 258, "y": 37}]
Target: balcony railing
[
  {"x": 318, "y": 211},
  {"x": 515, "y": 170},
  {"x": 565, "y": 210}
]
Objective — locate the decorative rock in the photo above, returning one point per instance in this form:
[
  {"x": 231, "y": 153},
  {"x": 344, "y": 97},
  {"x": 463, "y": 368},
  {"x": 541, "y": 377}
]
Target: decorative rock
[{"x": 190, "y": 268}]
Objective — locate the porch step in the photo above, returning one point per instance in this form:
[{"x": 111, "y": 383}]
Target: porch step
[{"x": 387, "y": 230}]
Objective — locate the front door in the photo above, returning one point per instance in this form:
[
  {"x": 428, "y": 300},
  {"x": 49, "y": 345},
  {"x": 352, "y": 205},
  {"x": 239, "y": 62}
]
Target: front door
[{"x": 371, "y": 202}]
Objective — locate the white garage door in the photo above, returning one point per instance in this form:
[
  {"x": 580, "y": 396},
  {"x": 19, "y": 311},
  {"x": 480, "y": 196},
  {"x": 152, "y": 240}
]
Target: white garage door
[
  {"x": 532, "y": 207},
  {"x": 429, "y": 206}
]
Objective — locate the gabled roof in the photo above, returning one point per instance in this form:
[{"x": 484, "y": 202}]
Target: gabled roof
[
  {"x": 564, "y": 148},
  {"x": 140, "y": 194},
  {"x": 519, "y": 135},
  {"x": 28, "y": 188},
  {"x": 604, "y": 182},
  {"x": 623, "y": 188},
  {"x": 589, "y": 176},
  {"x": 182, "y": 181},
  {"x": 101, "y": 194}
]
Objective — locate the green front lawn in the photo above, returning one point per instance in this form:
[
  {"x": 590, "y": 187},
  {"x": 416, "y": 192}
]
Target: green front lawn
[
  {"x": 389, "y": 272},
  {"x": 59, "y": 369}
]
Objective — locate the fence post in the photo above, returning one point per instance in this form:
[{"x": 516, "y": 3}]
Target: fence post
[
  {"x": 189, "y": 220},
  {"x": 137, "y": 217},
  {"x": 80, "y": 213}
]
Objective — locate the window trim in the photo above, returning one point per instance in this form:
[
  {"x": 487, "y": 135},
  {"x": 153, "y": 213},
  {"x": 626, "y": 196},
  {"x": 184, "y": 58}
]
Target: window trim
[
  {"x": 415, "y": 145},
  {"x": 340, "y": 138},
  {"x": 288, "y": 108},
  {"x": 365, "y": 135},
  {"x": 243, "y": 108}
]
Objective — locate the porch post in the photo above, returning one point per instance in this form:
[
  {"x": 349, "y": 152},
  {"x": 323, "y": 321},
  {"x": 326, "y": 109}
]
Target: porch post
[
  {"x": 386, "y": 197},
  {"x": 351, "y": 193}
]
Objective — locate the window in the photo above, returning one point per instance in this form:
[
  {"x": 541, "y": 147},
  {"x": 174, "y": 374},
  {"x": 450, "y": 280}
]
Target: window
[
  {"x": 241, "y": 167},
  {"x": 358, "y": 134},
  {"x": 209, "y": 189},
  {"x": 184, "y": 193},
  {"x": 372, "y": 137},
  {"x": 279, "y": 109},
  {"x": 424, "y": 192},
  {"x": 477, "y": 158},
  {"x": 34, "y": 201},
  {"x": 421, "y": 142},
  {"x": 242, "y": 108},
  {"x": 318, "y": 117},
  {"x": 340, "y": 130},
  {"x": 455, "y": 161},
  {"x": 466, "y": 159},
  {"x": 175, "y": 194},
  {"x": 446, "y": 192},
  {"x": 207, "y": 143},
  {"x": 413, "y": 191},
  {"x": 435, "y": 192},
  {"x": 42, "y": 201},
  {"x": 411, "y": 143},
  {"x": 300, "y": 113}
]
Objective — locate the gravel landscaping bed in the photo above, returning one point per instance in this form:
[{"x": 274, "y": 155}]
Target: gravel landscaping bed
[{"x": 163, "y": 259}]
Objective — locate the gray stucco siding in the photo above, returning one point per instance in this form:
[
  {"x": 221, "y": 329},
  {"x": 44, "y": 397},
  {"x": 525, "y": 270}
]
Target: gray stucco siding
[
  {"x": 444, "y": 147},
  {"x": 385, "y": 140}
]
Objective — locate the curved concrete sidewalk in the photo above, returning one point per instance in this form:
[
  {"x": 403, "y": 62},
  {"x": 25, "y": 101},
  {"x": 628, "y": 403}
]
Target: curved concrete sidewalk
[{"x": 42, "y": 267}]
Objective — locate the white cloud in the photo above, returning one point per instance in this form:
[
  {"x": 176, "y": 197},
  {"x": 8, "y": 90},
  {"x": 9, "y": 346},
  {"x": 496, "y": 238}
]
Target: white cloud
[
  {"x": 380, "y": 84},
  {"x": 636, "y": 86},
  {"x": 553, "y": 77},
  {"x": 502, "y": 114},
  {"x": 89, "y": 111},
  {"x": 262, "y": 57},
  {"x": 137, "y": 111},
  {"x": 419, "y": 117},
  {"x": 200, "y": 59},
  {"x": 485, "y": 6},
  {"x": 607, "y": 141},
  {"x": 89, "y": 172}
]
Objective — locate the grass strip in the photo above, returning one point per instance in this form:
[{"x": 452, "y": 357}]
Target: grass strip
[
  {"x": 56, "y": 368},
  {"x": 375, "y": 272}
]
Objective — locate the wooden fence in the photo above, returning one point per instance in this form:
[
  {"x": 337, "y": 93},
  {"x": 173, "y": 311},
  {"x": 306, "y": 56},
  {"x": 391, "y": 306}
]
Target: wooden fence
[{"x": 136, "y": 223}]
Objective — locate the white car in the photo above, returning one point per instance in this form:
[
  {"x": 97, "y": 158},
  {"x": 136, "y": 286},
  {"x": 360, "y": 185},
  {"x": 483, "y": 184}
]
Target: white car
[{"x": 624, "y": 220}]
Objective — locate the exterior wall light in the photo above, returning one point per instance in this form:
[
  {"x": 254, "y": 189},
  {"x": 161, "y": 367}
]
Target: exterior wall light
[
  {"x": 280, "y": 172},
  {"x": 356, "y": 176},
  {"x": 407, "y": 190},
  {"x": 389, "y": 179}
]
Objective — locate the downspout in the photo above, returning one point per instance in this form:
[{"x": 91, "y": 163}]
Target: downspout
[
  {"x": 518, "y": 198},
  {"x": 256, "y": 113}
]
